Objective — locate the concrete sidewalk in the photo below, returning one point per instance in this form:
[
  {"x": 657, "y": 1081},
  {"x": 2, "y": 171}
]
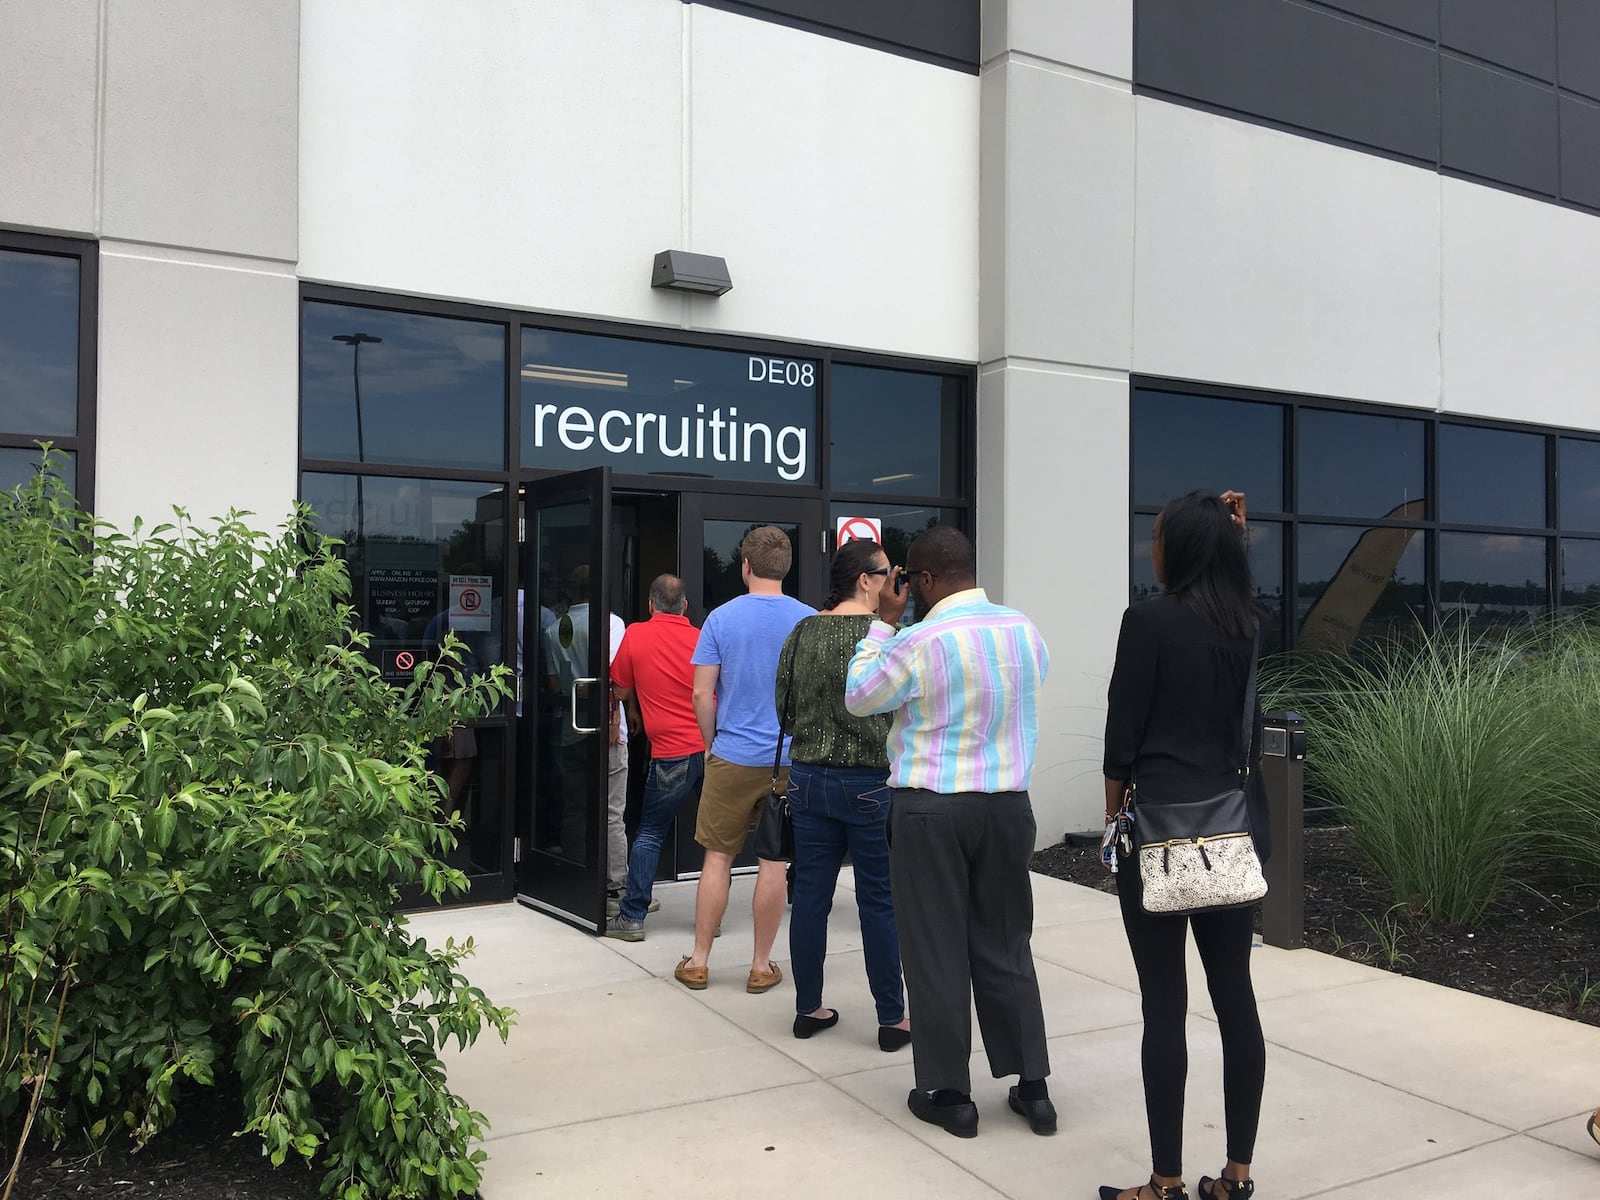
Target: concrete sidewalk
[{"x": 618, "y": 1081}]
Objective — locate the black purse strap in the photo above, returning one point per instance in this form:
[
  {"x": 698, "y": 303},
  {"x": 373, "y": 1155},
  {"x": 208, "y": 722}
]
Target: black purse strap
[
  {"x": 1247, "y": 724},
  {"x": 786, "y": 717}
]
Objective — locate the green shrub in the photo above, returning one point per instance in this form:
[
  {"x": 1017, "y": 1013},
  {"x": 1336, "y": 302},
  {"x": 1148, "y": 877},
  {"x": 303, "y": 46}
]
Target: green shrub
[
  {"x": 208, "y": 798},
  {"x": 1458, "y": 761}
]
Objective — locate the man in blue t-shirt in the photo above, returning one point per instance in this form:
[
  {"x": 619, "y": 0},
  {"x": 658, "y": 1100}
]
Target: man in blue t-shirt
[{"x": 735, "y": 675}]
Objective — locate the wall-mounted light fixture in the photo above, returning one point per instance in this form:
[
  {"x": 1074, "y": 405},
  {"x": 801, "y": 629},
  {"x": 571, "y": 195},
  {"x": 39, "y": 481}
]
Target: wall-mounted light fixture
[{"x": 685, "y": 272}]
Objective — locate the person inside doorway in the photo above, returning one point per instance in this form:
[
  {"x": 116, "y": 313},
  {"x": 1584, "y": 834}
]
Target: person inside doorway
[{"x": 736, "y": 668}]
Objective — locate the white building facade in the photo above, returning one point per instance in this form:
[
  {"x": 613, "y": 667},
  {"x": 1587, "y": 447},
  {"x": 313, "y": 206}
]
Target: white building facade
[{"x": 1026, "y": 266}]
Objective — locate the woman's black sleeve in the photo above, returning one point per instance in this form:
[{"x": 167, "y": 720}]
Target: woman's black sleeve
[{"x": 1133, "y": 679}]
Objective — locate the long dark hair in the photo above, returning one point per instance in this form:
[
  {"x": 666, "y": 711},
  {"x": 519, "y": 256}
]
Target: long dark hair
[
  {"x": 1206, "y": 563},
  {"x": 849, "y": 560}
]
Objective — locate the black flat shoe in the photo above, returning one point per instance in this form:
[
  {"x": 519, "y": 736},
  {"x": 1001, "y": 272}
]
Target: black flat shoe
[
  {"x": 891, "y": 1039},
  {"x": 1175, "y": 1191},
  {"x": 805, "y": 1026},
  {"x": 1230, "y": 1189},
  {"x": 959, "y": 1119},
  {"x": 1041, "y": 1114}
]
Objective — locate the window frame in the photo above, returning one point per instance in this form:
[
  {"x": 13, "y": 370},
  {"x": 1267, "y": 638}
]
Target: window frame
[
  {"x": 81, "y": 444},
  {"x": 1554, "y": 533}
]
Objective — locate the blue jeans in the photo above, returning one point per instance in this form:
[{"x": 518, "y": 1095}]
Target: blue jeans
[
  {"x": 670, "y": 782},
  {"x": 835, "y": 809}
]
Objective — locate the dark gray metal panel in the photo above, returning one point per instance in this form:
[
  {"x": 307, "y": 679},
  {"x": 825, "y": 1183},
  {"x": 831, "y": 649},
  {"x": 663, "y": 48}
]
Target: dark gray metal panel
[
  {"x": 1580, "y": 151},
  {"x": 944, "y": 30},
  {"x": 1579, "y": 45},
  {"x": 1420, "y": 17},
  {"x": 1497, "y": 126},
  {"x": 1520, "y": 34},
  {"x": 1294, "y": 65}
]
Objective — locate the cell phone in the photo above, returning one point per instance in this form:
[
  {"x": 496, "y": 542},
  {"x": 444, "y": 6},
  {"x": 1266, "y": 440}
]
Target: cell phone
[{"x": 899, "y": 580}]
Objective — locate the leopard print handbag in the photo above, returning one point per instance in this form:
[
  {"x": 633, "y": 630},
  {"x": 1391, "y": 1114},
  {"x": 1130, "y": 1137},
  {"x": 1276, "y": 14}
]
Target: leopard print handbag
[{"x": 1198, "y": 855}]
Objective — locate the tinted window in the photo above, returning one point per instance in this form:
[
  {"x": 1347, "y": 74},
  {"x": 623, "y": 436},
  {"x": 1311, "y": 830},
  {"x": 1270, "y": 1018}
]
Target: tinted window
[
  {"x": 1580, "y": 484},
  {"x": 38, "y": 344},
  {"x": 402, "y": 388},
  {"x": 647, "y": 408},
  {"x": 1353, "y": 465},
  {"x": 19, "y": 466},
  {"x": 1492, "y": 579},
  {"x": 1491, "y": 477},
  {"x": 1355, "y": 584},
  {"x": 426, "y": 557},
  {"x": 1183, "y": 444},
  {"x": 1580, "y": 575},
  {"x": 895, "y": 432}
]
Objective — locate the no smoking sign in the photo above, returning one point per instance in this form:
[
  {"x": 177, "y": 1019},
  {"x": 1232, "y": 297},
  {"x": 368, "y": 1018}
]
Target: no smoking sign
[{"x": 859, "y": 529}]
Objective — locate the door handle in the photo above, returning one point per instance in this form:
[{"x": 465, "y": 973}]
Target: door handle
[{"x": 576, "y": 728}]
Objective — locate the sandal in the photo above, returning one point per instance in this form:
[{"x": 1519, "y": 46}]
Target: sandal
[
  {"x": 1171, "y": 1191},
  {"x": 1233, "y": 1189}
]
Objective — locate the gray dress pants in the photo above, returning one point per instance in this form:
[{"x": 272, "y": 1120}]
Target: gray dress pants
[{"x": 963, "y": 907}]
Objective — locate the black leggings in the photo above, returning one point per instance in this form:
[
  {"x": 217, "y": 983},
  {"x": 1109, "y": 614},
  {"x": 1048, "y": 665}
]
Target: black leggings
[{"x": 1223, "y": 939}]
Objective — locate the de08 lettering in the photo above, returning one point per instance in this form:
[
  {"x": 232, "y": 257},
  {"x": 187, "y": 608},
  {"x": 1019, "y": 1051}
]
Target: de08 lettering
[{"x": 785, "y": 372}]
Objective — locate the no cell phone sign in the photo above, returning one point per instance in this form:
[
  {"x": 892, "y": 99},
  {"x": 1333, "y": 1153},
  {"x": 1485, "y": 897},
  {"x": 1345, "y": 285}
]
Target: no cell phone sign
[{"x": 859, "y": 529}]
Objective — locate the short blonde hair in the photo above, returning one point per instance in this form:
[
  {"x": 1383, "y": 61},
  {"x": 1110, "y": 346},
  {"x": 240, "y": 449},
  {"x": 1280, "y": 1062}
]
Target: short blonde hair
[{"x": 768, "y": 549}]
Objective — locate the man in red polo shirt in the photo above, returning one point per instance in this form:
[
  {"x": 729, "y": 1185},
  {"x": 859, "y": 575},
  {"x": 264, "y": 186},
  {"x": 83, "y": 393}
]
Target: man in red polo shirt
[{"x": 652, "y": 674}]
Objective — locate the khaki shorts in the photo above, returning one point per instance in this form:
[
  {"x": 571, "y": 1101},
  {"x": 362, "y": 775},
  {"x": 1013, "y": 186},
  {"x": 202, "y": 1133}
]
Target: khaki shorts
[{"x": 730, "y": 802}]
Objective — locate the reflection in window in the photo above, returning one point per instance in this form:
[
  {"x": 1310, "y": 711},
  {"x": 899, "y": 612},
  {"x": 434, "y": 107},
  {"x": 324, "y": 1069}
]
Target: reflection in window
[
  {"x": 1580, "y": 576},
  {"x": 1580, "y": 485},
  {"x": 1492, "y": 579},
  {"x": 1491, "y": 477},
  {"x": 1354, "y": 585},
  {"x": 896, "y": 432},
  {"x": 18, "y": 467},
  {"x": 426, "y": 557},
  {"x": 1354, "y": 465},
  {"x": 1195, "y": 443},
  {"x": 650, "y": 408},
  {"x": 387, "y": 387},
  {"x": 1266, "y": 572},
  {"x": 724, "y": 575},
  {"x": 38, "y": 344},
  {"x": 471, "y": 761}
]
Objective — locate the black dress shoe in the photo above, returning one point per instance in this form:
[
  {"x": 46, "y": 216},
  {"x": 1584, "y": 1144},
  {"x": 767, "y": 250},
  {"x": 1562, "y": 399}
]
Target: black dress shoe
[
  {"x": 805, "y": 1026},
  {"x": 1041, "y": 1114},
  {"x": 891, "y": 1039},
  {"x": 959, "y": 1119}
]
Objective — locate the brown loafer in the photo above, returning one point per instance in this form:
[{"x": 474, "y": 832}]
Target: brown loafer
[
  {"x": 763, "y": 981},
  {"x": 692, "y": 977}
]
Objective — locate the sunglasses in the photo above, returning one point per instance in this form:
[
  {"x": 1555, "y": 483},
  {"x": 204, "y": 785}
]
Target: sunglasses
[{"x": 877, "y": 571}]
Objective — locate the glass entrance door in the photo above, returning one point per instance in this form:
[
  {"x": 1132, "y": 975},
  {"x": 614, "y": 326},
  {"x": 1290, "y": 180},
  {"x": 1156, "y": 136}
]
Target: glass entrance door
[
  {"x": 564, "y": 652},
  {"x": 713, "y": 527}
]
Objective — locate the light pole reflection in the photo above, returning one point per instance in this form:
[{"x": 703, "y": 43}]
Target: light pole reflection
[{"x": 356, "y": 341}]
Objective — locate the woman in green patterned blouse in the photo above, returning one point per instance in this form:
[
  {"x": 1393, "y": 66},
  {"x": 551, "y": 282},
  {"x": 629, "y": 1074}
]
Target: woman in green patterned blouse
[{"x": 839, "y": 798}]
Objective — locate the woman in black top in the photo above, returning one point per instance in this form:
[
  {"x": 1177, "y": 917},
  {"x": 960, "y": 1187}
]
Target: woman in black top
[{"x": 1173, "y": 722}]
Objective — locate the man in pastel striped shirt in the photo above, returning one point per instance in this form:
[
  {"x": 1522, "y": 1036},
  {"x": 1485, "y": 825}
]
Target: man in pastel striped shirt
[{"x": 963, "y": 687}]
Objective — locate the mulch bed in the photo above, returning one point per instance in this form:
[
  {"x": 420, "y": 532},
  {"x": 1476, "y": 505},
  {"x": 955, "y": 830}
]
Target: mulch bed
[
  {"x": 1535, "y": 947},
  {"x": 198, "y": 1158}
]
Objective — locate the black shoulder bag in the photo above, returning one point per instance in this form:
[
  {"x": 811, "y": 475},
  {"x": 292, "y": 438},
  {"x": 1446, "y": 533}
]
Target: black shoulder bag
[
  {"x": 1197, "y": 855},
  {"x": 774, "y": 838}
]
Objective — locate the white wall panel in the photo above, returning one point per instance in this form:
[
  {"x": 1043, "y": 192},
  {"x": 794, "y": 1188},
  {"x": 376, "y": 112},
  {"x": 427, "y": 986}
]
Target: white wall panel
[
  {"x": 49, "y": 91},
  {"x": 201, "y": 124},
  {"x": 1092, "y": 35},
  {"x": 1065, "y": 275},
  {"x": 1053, "y": 542},
  {"x": 840, "y": 183},
  {"x": 198, "y": 385},
  {"x": 1521, "y": 308},
  {"x": 504, "y": 152},
  {"x": 1269, "y": 260}
]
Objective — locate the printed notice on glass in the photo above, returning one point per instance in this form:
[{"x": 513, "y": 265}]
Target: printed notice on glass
[{"x": 470, "y": 598}]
